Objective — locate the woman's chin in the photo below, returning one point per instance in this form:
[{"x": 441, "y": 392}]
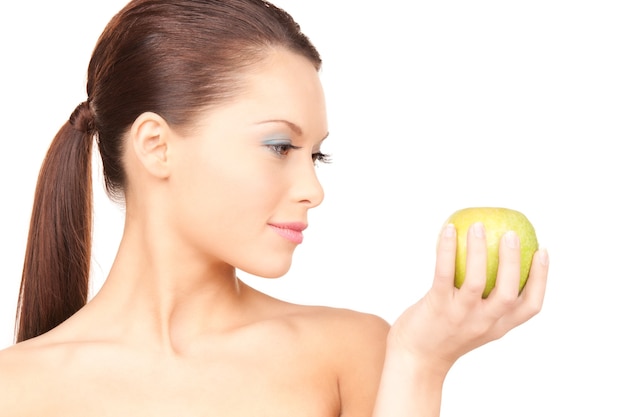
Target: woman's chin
[{"x": 270, "y": 271}]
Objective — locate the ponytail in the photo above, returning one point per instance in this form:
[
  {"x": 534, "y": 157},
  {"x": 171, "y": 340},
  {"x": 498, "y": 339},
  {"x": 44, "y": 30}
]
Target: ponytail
[
  {"x": 55, "y": 278},
  {"x": 173, "y": 58}
]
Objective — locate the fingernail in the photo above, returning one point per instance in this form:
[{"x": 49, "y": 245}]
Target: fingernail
[
  {"x": 449, "y": 230},
  {"x": 511, "y": 239},
  {"x": 478, "y": 229},
  {"x": 544, "y": 259}
]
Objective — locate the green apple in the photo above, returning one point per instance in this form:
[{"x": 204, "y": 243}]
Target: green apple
[{"x": 497, "y": 222}]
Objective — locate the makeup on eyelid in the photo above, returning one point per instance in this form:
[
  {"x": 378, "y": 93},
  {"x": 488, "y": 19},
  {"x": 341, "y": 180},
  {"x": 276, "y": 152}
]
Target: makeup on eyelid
[
  {"x": 278, "y": 140},
  {"x": 286, "y": 142}
]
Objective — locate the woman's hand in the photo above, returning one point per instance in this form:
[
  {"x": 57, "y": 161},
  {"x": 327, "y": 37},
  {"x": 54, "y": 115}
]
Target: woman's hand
[{"x": 449, "y": 322}]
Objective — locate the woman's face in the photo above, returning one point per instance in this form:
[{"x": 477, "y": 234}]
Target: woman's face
[{"x": 245, "y": 179}]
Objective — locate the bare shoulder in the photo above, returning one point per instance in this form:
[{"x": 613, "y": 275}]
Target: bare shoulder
[
  {"x": 356, "y": 344},
  {"x": 339, "y": 327},
  {"x": 28, "y": 373},
  {"x": 18, "y": 366},
  {"x": 9, "y": 363},
  {"x": 14, "y": 360},
  {"x": 340, "y": 335}
]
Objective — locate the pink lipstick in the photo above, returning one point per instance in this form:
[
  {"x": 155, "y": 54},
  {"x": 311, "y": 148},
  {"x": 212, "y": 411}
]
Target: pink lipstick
[{"x": 290, "y": 231}]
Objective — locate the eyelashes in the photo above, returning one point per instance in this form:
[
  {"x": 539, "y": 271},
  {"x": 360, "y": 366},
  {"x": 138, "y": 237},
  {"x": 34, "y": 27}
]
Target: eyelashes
[
  {"x": 283, "y": 149},
  {"x": 320, "y": 157}
]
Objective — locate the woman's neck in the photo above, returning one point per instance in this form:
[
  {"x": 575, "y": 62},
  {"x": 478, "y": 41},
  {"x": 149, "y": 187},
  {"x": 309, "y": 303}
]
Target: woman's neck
[{"x": 162, "y": 292}]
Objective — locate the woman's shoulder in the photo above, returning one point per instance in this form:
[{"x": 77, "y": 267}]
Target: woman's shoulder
[
  {"x": 345, "y": 323},
  {"x": 19, "y": 370},
  {"x": 8, "y": 386},
  {"x": 353, "y": 344},
  {"x": 348, "y": 336},
  {"x": 39, "y": 374},
  {"x": 32, "y": 354},
  {"x": 17, "y": 359},
  {"x": 340, "y": 324},
  {"x": 29, "y": 355}
]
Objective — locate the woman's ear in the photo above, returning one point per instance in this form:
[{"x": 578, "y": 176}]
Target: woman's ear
[{"x": 149, "y": 138}]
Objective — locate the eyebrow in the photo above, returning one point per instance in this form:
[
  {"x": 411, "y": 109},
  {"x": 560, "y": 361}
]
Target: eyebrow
[{"x": 294, "y": 127}]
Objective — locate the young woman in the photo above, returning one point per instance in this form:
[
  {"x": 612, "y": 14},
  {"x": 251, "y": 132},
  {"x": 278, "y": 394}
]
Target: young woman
[{"x": 209, "y": 117}]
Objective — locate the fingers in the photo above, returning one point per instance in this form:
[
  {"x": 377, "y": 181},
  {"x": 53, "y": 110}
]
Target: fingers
[
  {"x": 463, "y": 319},
  {"x": 529, "y": 303},
  {"x": 508, "y": 278},
  {"x": 476, "y": 265},
  {"x": 505, "y": 298},
  {"x": 445, "y": 262},
  {"x": 533, "y": 294}
]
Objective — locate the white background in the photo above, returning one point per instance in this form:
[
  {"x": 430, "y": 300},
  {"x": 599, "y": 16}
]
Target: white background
[{"x": 432, "y": 108}]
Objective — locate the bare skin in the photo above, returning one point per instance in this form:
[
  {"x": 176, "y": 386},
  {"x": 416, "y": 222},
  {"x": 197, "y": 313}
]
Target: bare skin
[
  {"x": 174, "y": 332},
  {"x": 277, "y": 359}
]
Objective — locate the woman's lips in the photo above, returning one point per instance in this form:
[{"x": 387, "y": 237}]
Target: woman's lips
[{"x": 290, "y": 231}]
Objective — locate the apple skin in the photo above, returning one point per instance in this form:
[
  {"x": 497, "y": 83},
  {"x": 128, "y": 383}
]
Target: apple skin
[{"x": 497, "y": 221}]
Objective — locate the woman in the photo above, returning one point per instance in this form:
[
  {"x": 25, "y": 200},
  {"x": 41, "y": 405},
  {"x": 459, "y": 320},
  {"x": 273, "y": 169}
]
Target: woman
[{"x": 209, "y": 117}]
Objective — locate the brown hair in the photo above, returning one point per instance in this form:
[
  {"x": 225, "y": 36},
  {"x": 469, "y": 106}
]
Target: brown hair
[{"x": 174, "y": 58}]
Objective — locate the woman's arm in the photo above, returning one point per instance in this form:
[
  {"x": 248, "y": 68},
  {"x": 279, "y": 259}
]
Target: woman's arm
[{"x": 447, "y": 322}]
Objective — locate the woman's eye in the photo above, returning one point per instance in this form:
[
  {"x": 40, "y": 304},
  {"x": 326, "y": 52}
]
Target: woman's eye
[
  {"x": 321, "y": 157},
  {"x": 281, "y": 149}
]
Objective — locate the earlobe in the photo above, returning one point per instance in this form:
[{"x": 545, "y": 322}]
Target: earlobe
[{"x": 149, "y": 137}]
